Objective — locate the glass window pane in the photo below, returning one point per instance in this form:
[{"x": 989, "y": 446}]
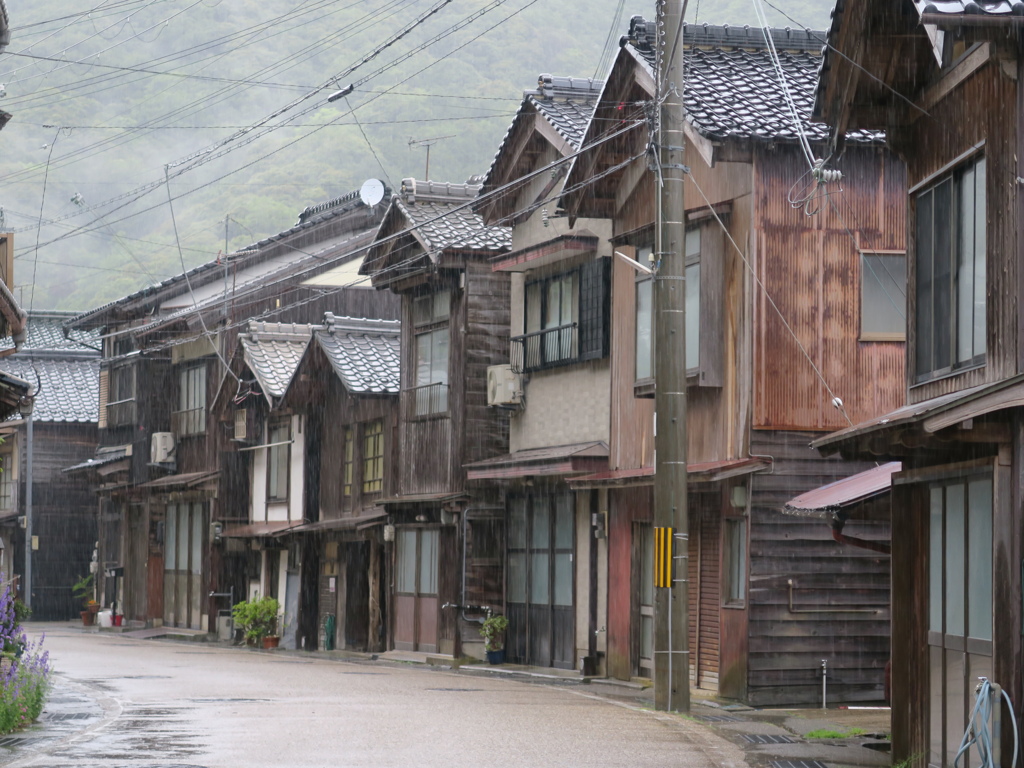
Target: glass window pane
[
  {"x": 197, "y": 539},
  {"x": 943, "y": 306},
  {"x": 428, "y": 562},
  {"x": 935, "y": 553},
  {"x": 439, "y": 356},
  {"x": 533, "y": 303},
  {"x": 646, "y": 544},
  {"x": 423, "y": 368},
  {"x": 183, "y": 552},
  {"x": 979, "y": 559},
  {"x": 170, "y": 536},
  {"x": 563, "y": 521},
  {"x": 539, "y": 578},
  {"x": 955, "y": 559},
  {"x": 517, "y": 523},
  {"x": 517, "y": 577},
  {"x": 644, "y": 328},
  {"x": 405, "y": 560},
  {"x": 925, "y": 298},
  {"x": 965, "y": 269},
  {"x": 883, "y": 293},
  {"x": 692, "y": 316},
  {"x": 693, "y": 242},
  {"x": 563, "y": 579},
  {"x": 540, "y": 535},
  {"x": 442, "y": 304},
  {"x": 736, "y": 559},
  {"x": 980, "y": 256}
]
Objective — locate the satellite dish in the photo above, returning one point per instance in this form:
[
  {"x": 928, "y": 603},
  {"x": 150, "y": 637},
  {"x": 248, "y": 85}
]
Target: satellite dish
[{"x": 372, "y": 191}]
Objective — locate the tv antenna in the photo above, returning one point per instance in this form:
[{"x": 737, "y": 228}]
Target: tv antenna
[{"x": 428, "y": 143}]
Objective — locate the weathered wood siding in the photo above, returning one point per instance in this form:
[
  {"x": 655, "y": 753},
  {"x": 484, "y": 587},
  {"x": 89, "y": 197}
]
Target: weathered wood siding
[
  {"x": 786, "y": 648},
  {"x": 977, "y": 111},
  {"x": 810, "y": 270},
  {"x": 627, "y": 506}
]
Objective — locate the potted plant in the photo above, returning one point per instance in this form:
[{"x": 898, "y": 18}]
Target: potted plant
[
  {"x": 82, "y": 590},
  {"x": 493, "y": 633},
  {"x": 257, "y": 618}
]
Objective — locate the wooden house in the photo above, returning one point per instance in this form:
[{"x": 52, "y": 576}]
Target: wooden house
[
  {"x": 434, "y": 252},
  {"x": 64, "y": 375},
  {"x": 793, "y": 329},
  {"x": 558, "y": 402},
  {"x": 951, "y": 107},
  {"x": 271, "y": 445},
  {"x": 346, "y": 385},
  {"x": 165, "y": 471}
]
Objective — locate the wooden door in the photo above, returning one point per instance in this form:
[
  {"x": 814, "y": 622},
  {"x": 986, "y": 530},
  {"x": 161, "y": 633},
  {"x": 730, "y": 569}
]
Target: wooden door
[
  {"x": 184, "y": 527},
  {"x": 541, "y": 581},
  {"x": 416, "y": 603},
  {"x": 643, "y": 600}
]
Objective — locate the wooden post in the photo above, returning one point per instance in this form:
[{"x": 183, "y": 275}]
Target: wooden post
[{"x": 671, "y": 606}]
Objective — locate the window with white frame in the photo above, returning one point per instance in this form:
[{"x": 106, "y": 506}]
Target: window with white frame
[{"x": 950, "y": 282}]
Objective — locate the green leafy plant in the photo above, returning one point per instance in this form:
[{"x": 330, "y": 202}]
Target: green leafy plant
[
  {"x": 82, "y": 590},
  {"x": 827, "y": 733},
  {"x": 493, "y": 632},
  {"x": 257, "y": 618}
]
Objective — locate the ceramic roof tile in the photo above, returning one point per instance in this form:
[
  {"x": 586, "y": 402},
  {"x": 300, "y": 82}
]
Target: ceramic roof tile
[
  {"x": 68, "y": 389},
  {"x": 45, "y": 331},
  {"x": 272, "y": 352},
  {"x": 444, "y": 220},
  {"x": 365, "y": 354},
  {"x": 733, "y": 89},
  {"x": 971, "y": 8}
]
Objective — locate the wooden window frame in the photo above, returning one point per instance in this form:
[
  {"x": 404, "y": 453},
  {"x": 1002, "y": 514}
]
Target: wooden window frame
[
  {"x": 938, "y": 253},
  {"x": 275, "y": 449},
  {"x": 190, "y": 418},
  {"x": 734, "y": 576},
  {"x": 372, "y": 480},
  {"x": 430, "y": 399},
  {"x": 8, "y": 482}
]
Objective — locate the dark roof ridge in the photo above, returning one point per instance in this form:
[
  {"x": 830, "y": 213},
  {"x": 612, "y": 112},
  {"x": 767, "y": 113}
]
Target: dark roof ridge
[
  {"x": 261, "y": 330},
  {"x": 641, "y": 36},
  {"x": 334, "y": 323},
  {"x": 550, "y": 87},
  {"x": 437, "y": 191}
]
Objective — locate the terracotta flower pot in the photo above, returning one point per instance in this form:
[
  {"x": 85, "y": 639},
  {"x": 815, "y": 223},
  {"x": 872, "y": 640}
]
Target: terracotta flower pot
[
  {"x": 271, "y": 641},
  {"x": 88, "y": 618}
]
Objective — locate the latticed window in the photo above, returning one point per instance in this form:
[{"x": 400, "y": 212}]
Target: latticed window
[
  {"x": 190, "y": 418},
  {"x": 348, "y": 463},
  {"x": 373, "y": 456},
  {"x": 6, "y": 481}
]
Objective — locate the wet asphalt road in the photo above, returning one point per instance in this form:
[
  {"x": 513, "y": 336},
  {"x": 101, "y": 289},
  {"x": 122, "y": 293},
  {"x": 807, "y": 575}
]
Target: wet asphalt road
[{"x": 126, "y": 703}]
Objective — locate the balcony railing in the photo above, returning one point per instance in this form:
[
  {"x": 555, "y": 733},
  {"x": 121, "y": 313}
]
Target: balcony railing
[
  {"x": 121, "y": 412},
  {"x": 426, "y": 400},
  {"x": 545, "y": 349},
  {"x": 190, "y": 422}
]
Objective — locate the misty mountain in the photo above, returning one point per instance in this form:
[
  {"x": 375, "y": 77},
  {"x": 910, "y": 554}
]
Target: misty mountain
[{"x": 227, "y": 99}]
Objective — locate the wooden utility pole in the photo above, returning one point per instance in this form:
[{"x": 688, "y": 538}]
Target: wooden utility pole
[
  {"x": 428, "y": 143},
  {"x": 672, "y": 602}
]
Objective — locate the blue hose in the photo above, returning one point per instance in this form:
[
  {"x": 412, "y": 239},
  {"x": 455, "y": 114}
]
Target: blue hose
[{"x": 979, "y": 729}]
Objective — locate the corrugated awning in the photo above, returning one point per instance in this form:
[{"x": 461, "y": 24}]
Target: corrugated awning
[
  {"x": 343, "y": 523},
  {"x": 186, "y": 480},
  {"x": 252, "y": 530},
  {"x": 698, "y": 472},
  {"x": 828, "y": 500},
  {"x": 558, "y": 460},
  {"x": 423, "y": 498}
]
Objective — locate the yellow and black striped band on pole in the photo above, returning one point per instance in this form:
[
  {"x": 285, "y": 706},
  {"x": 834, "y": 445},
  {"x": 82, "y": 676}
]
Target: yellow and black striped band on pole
[{"x": 663, "y": 557}]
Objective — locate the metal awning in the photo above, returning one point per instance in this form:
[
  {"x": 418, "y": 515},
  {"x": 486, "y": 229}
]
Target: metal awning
[
  {"x": 104, "y": 455},
  {"x": 828, "y": 500},
  {"x": 253, "y": 530},
  {"x": 343, "y": 523},
  {"x": 423, "y": 498},
  {"x": 578, "y": 458},
  {"x": 186, "y": 480},
  {"x": 549, "y": 252},
  {"x": 698, "y": 472}
]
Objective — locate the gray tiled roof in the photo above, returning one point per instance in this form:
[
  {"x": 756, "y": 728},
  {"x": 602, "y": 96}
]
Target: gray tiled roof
[
  {"x": 365, "y": 354},
  {"x": 310, "y": 217},
  {"x": 273, "y": 351},
  {"x": 732, "y": 87},
  {"x": 971, "y": 8},
  {"x": 567, "y": 103},
  {"x": 68, "y": 389},
  {"x": 105, "y": 454},
  {"x": 444, "y": 220},
  {"x": 45, "y": 331}
]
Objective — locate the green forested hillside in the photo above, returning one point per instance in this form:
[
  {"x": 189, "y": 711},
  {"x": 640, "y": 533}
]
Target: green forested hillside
[{"x": 107, "y": 93}]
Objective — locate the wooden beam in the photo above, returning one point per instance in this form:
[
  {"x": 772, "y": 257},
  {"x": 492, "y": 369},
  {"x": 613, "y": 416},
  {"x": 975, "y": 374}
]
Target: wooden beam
[
  {"x": 635, "y": 172},
  {"x": 967, "y": 67},
  {"x": 704, "y": 146}
]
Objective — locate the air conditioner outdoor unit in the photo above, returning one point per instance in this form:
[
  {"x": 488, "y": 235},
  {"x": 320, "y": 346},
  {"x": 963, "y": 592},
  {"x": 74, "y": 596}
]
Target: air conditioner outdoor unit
[
  {"x": 503, "y": 387},
  {"x": 161, "y": 449}
]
